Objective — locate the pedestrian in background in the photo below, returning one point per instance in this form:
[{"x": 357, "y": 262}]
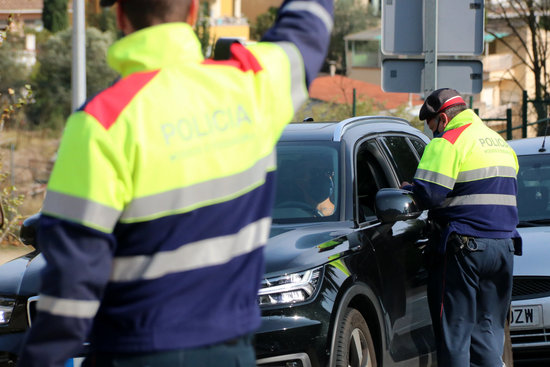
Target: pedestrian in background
[
  {"x": 467, "y": 178},
  {"x": 159, "y": 203}
]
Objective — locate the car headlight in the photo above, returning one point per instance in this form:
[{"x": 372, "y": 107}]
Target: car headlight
[
  {"x": 6, "y": 309},
  {"x": 289, "y": 288}
]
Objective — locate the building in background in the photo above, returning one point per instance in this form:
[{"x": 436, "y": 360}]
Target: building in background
[
  {"x": 27, "y": 11},
  {"x": 363, "y": 58},
  {"x": 227, "y": 19}
]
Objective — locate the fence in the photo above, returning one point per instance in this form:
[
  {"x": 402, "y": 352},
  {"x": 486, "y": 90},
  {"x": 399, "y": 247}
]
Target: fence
[
  {"x": 524, "y": 116},
  {"x": 508, "y": 120}
]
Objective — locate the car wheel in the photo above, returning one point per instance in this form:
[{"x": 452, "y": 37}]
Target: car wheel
[{"x": 354, "y": 346}]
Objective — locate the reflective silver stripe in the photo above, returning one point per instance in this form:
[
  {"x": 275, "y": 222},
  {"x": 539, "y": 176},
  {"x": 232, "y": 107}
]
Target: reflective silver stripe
[
  {"x": 481, "y": 199},
  {"x": 90, "y": 213},
  {"x": 435, "y": 177},
  {"x": 190, "y": 197},
  {"x": 68, "y": 307},
  {"x": 314, "y": 8},
  {"x": 481, "y": 173},
  {"x": 209, "y": 252},
  {"x": 298, "y": 91}
]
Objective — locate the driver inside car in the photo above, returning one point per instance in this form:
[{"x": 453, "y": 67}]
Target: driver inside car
[
  {"x": 316, "y": 187},
  {"x": 312, "y": 183}
]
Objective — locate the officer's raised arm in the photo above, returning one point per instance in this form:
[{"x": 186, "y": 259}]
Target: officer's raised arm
[
  {"x": 308, "y": 25},
  {"x": 159, "y": 204}
]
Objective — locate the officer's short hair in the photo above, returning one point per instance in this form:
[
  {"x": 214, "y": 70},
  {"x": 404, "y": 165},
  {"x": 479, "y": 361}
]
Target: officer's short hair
[
  {"x": 144, "y": 13},
  {"x": 451, "y": 112}
]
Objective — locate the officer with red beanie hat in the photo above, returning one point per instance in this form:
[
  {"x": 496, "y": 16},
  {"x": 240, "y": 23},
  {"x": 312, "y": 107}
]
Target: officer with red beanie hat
[{"x": 467, "y": 179}]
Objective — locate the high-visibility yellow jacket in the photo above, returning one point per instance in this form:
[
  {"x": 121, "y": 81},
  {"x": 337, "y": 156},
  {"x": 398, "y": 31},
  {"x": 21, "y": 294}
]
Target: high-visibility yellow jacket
[
  {"x": 159, "y": 202},
  {"x": 467, "y": 178}
]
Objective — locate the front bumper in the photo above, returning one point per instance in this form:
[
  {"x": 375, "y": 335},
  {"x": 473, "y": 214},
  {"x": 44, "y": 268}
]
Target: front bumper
[
  {"x": 290, "y": 340},
  {"x": 9, "y": 348},
  {"x": 297, "y": 335}
]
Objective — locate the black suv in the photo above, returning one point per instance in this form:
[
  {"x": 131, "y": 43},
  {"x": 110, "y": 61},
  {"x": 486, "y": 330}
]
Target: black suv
[
  {"x": 347, "y": 287},
  {"x": 345, "y": 282}
]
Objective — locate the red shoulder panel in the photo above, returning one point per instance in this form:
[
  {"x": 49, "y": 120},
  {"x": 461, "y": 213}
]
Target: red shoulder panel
[
  {"x": 107, "y": 105},
  {"x": 241, "y": 58},
  {"x": 453, "y": 134}
]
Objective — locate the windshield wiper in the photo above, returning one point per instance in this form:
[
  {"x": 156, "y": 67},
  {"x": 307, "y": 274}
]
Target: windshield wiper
[
  {"x": 541, "y": 221},
  {"x": 533, "y": 223}
]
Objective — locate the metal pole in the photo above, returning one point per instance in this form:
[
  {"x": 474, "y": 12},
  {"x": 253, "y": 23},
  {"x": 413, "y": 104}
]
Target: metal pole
[
  {"x": 12, "y": 164},
  {"x": 430, "y": 52},
  {"x": 430, "y": 46},
  {"x": 524, "y": 117},
  {"x": 354, "y": 110},
  {"x": 509, "y": 124},
  {"x": 78, "y": 80}
]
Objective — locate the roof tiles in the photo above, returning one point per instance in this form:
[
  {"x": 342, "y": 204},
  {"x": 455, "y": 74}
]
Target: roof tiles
[{"x": 339, "y": 89}]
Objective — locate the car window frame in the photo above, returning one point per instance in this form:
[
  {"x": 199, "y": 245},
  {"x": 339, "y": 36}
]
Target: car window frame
[
  {"x": 387, "y": 151},
  {"x": 384, "y": 163}
]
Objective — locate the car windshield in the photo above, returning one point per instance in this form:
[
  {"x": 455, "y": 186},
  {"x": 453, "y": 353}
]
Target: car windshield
[
  {"x": 534, "y": 189},
  {"x": 307, "y": 183}
]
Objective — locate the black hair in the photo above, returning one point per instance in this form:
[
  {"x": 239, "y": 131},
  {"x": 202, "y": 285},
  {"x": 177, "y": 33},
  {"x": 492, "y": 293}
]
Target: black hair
[{"x": 145, "y": 13}]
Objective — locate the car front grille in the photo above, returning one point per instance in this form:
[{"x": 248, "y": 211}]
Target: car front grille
[
  {"x": 530, "y": 287},
  {"x": 530, "y": 337}
]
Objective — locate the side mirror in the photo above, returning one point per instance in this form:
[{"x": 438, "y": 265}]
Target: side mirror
[
  {"x": 392, "y": 205},
  {"x": 27, "y": 233}
]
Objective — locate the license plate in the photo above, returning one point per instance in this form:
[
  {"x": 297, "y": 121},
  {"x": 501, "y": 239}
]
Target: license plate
[
  {"x": 75, "y": 362},
  {"x": 526, "y": 316}
]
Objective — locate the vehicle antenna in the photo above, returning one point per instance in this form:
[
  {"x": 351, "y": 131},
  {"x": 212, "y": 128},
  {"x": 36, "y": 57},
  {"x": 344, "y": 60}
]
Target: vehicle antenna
[{"x": 542, "y": 148}]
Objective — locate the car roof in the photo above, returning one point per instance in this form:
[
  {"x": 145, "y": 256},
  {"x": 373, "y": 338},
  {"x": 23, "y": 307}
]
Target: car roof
[
  {"x": 530, "y": 146},
  {"x": 334, "y": 130}
]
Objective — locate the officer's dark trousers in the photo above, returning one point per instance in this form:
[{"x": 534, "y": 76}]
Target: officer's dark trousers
[
  {"x": 234, "y": 353},
  {"x": 469, "y": 294}
]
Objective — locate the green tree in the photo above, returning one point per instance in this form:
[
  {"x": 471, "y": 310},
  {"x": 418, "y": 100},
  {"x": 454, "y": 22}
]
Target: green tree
[
  {"x": 105, "y": 20},
  {"x": 52, "y": 79},
  {"x": 527, "y": 23},
  {"x": 202, "y": 29},
  {"x": 54, "y": 15},
  {"x": 350, "y": 16},
  {"x": 15, "y": 72},
  {"x": 263, "y": 23},
  {"x": 11, "y": 103}
]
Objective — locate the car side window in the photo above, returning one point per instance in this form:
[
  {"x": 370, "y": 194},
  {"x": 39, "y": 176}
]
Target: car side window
[
  {"x": 418, "y": 145},
  {"x": 404, "y": 158},
  {"x": 370, "y": 177}
]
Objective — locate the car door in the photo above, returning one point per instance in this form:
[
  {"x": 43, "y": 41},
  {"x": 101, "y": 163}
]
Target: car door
[{"x": 382, "y": 162}]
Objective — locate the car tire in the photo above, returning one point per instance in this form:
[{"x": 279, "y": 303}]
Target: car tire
[{"x": 354, "y": 346}]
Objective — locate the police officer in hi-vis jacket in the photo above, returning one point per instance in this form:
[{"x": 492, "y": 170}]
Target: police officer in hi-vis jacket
[
  {"x": 467, "y": 178},
  {"x": 159, "y": 203}
]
